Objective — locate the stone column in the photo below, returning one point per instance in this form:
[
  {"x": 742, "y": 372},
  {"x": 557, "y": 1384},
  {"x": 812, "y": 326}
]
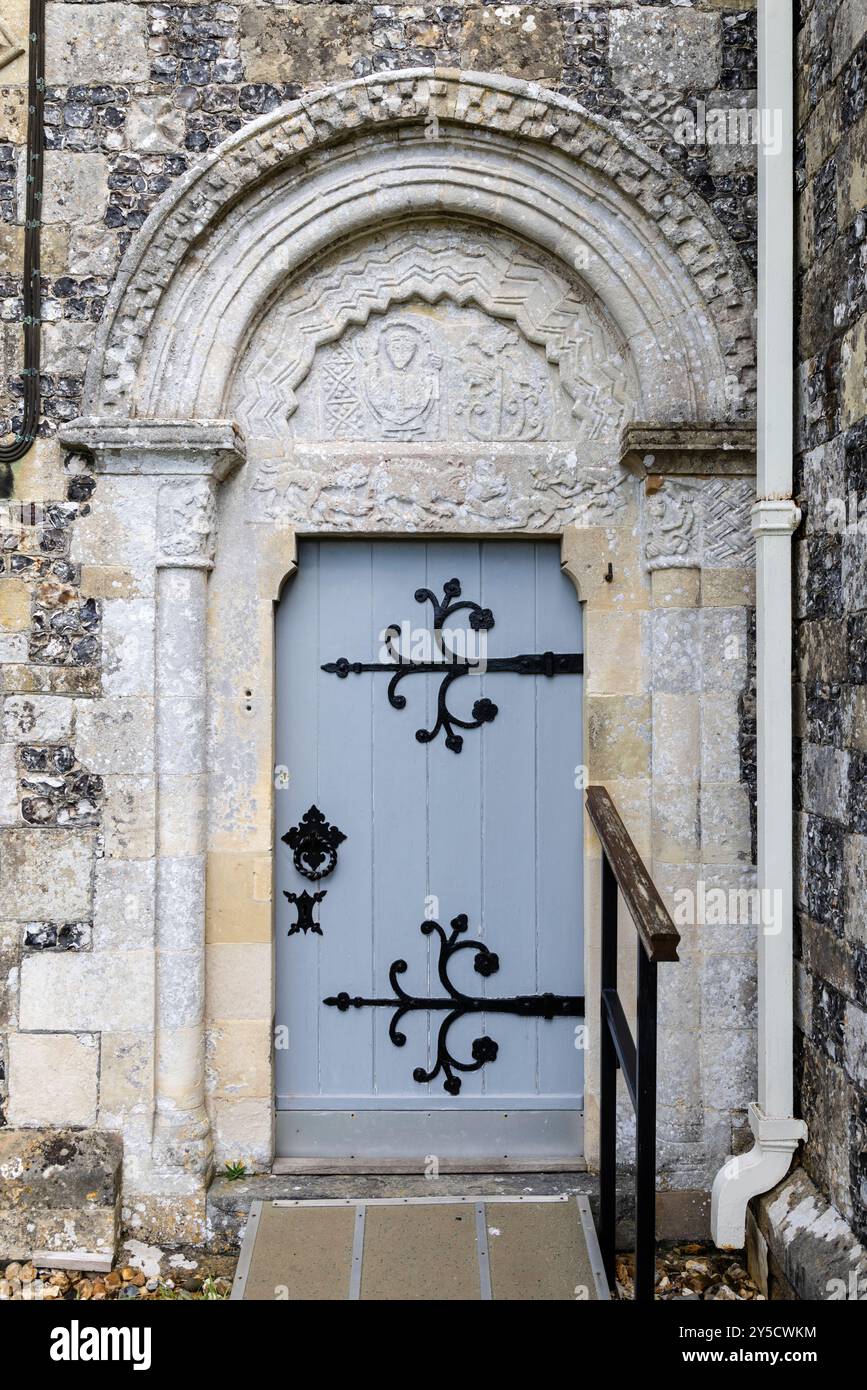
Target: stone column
[
  {"x": 186, "y": 521},
  {"x": 186, "y": 461}
]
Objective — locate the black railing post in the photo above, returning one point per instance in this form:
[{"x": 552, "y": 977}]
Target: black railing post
[
  {"x": 608, "y": 1077},
  {"x": 645, "y": 1131}
]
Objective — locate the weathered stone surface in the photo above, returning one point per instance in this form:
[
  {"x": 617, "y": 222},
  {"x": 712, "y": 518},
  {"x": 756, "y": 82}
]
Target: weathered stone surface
[
  {"x": 97, "y": 43},
  {"x": 647, "y": 51},
  {"x": 298, "y": 44},
  {"x": 76, "y": 186},
  {"x": 45, "y": 874},
  {"x": 60, "y": 1190},
  {"x": 36, "y": 1062}
]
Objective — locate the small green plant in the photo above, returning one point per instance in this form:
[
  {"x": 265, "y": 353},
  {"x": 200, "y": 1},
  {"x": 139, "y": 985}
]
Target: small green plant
[{"x": 237, "y": 1170}]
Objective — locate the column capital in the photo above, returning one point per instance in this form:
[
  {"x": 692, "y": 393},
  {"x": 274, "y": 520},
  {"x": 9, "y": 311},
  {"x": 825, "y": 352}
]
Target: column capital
[{"x": 158, "y": 448}]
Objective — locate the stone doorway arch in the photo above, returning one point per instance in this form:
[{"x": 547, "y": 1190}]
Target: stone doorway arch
[{"x": 532, "y": 224}]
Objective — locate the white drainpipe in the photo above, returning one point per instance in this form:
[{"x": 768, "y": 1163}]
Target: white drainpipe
[{"x": 774, "y": 518}]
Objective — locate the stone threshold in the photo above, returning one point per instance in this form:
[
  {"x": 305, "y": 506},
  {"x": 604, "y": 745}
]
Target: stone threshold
[{"x": 229, "y": 1201}]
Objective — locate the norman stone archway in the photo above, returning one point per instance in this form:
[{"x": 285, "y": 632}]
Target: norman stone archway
[{"x": 583, "y": 266}]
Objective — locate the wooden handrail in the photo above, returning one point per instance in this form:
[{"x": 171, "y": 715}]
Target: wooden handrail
[{"x": 659, "y": 936}]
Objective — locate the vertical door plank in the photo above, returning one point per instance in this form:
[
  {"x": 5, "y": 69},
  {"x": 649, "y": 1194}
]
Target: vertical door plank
[
  {"x": 559, "y": 823},
  {"x": 509, "y": 812},
  {"x": 345, "y": 792},
  {"x": 297, "y": 748},
  {"x": 399, "y": 823}
]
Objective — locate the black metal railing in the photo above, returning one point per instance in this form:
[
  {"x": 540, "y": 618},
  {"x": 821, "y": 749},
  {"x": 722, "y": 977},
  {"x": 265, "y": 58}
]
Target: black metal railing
[{"x": 658, "y": 940}]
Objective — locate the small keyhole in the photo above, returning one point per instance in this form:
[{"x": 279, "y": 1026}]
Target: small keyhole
[{"x": 248, "y": 696}]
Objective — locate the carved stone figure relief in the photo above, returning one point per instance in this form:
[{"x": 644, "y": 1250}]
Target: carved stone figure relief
[
  {"x": 436, "y": 333},
  {"x": 187, "y": 521},
  {"x": 502, "y": 382},
  {"x": 692, "y": 522}
]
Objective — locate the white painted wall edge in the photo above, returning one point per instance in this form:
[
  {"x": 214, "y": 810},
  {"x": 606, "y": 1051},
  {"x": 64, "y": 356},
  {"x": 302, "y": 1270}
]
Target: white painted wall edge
[{"x": 774, "y": 518}]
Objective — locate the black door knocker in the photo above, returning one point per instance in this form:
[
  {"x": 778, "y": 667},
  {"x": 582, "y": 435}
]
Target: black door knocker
[
  {"x": 314, "y": 844},
  {"x": 305, "y": 902},
  {"x": 314, "y": 853}
]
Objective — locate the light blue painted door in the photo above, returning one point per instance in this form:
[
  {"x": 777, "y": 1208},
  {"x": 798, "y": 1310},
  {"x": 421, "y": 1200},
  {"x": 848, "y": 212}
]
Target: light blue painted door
[{"x": 492, "y": 832}]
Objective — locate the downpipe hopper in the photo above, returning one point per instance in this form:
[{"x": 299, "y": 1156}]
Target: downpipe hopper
[{"x": 744, "y": 1176}]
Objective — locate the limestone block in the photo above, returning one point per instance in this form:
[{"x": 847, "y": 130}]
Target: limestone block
[
  {"x": 655, "y": 47},
  {"x": 128, "y": 646},
  {"x": 155, "y": 125},
  {"x": 120, "y": 528},
  {"x": 238, "y": 1055},
  {"x": 125, "y": 1074},
  {"x": 853, "y": 359},
  {"x": 53, "y": 1078},
  {"x": 729, "y": 992},
  {"x": 10, "y": 957},
  {"x": 37, "y": 718},
  {"x": 110, "y": 990},
  {"x": 614, "y": 653},
  {"x": 720, "y": 727},
  {"x": 676, "y": 653},
  {"x": 10, "y": 800},
  {"x": 11, "y": 249},
  {"x": 76, "y": 185},
  {"x": 13, "y": 109},
  {"x": 297, "y": 43},
  {"x": 847, "y": 32},
  {"x": 182, "y": 801},
  {"x": 618, "y": 729},
  {"x": 123, "y": 904},
  {"x": 723, "y": 649},
  {"x": 676, "y": 738},
  {"x": 725, "y": 824},
  {"x": 734, "y": 588},
  {"x": 115, "y": 735},
  {"x": 239, "y": 980},
  {"x": 181, "y": 889},
  {"x": 675, "y": 822},
  {"x": 98, "y": 44},
  {"x": 128, "y": 817},
  {"x": 45, "y": 875},
  {"x": 854, "y": 571},
  {"x": 675, "y": 588},
  {"x": 14, "y": 605},
  {"x": 825, "y": 784},
  {"x": 243, "y": 1131},
  {"x": 512, "y": 38},
  {"x": 91, "y": 252},
  {"x": 59, "y": 1190},
  {"x": 239, "y": 897},
  {"x": 181, "y": 744},
  {"x": 728, "y": 1064},
  {"x": 108, "y": 582},
  {"x": 852, "y": 173}
]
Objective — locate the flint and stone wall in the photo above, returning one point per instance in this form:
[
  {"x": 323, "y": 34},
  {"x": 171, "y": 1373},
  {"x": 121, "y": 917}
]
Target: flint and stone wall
[
  {"x": 831, "y": 603},
  {"x": 137, "y": 94}
]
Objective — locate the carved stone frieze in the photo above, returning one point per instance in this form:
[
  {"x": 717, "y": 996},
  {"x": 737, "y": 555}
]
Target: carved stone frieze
[{"x": 534, "y": 488}]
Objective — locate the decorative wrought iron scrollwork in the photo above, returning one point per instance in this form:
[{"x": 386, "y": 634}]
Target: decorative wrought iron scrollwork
[
  {"x": 452, "y": 667},
  {"x": 314, "y": 844},
  {"x": 305, "y": 902},
  {"x": 456, "y": 1004}
]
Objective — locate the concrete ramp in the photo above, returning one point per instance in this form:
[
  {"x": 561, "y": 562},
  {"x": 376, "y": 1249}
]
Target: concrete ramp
[{"x": 399, "y": 1249}]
